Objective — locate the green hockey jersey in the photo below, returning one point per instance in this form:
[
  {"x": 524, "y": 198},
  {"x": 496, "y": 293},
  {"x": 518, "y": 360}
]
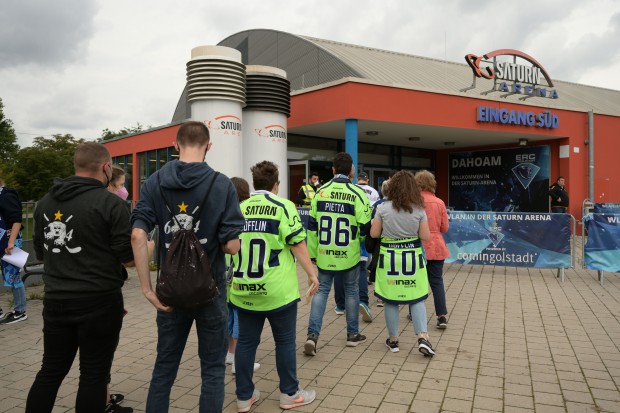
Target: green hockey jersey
[
  {"x": 401, "y": 271},
  {"x": 339, "y": 218},
  {"x": 265, "y": 272}
]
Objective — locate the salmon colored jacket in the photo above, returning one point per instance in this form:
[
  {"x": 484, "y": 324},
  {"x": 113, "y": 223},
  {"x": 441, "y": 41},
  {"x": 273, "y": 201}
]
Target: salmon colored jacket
[{"x": 436, "y": 248}]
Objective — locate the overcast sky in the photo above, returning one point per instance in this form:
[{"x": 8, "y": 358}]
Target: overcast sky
[{"x": 79, "y": 66}]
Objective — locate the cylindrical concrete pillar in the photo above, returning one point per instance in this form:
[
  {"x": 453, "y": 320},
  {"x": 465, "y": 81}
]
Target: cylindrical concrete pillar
[
  {"x": 216, "y": 95},
  {"x": 265, "y": 121}
]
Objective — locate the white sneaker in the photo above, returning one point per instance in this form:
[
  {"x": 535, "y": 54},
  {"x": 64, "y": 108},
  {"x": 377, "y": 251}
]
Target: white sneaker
[
  {"x": 246, "y": 405},
  {"x": 256, "y": 367},
  {"x": 301, "y": 398},
  {"x": 230, "y": 358}
]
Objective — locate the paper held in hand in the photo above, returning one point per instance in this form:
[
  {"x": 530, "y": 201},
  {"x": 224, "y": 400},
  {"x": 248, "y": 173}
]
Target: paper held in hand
[{"x": 18, "y": 257}]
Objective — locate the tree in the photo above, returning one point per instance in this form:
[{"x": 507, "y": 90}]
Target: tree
[
  {"x": 38, "y": 165},
  {"x": 8, "y": 141},
  {"x": 107, "y": 134}
]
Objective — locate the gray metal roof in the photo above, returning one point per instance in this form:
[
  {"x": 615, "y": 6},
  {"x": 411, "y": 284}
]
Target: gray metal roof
[
  {"x": 446, "y": 77},
  {"x": 311, "y": 62}
]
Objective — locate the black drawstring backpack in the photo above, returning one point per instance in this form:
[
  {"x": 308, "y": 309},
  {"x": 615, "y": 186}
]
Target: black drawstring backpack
[{"x": 185, "y": 280}]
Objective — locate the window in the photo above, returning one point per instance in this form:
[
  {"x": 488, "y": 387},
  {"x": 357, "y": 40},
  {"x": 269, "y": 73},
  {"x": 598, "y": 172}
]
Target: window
[{"x": 151, "y": 161}]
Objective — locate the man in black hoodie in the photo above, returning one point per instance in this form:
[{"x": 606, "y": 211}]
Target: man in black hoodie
[
  {"x": 82, "y": 234},
  {"x": 217, "y": 222},
  {"x": 559, "y": 196}
]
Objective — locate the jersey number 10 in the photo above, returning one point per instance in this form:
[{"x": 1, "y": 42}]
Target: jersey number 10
[{"x": 255, "y": 266}]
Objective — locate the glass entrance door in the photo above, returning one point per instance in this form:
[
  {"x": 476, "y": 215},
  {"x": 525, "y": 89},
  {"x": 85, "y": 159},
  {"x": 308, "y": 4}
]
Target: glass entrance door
[
  {"x": 297, "y": 176},
  {"x": 377, "y": 176}
]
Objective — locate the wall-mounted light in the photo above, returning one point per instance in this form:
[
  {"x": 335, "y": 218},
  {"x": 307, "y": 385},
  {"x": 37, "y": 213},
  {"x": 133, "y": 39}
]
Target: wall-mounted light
[
  {"x": 449, "y": 143},
  {"x": 371, "y": 133},
  {"x": 523, "y": 142}
]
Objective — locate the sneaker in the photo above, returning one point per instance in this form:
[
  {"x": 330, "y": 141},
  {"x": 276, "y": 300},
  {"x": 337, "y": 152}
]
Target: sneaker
[
  {"x": 365, "y": 312},
  {"x": 379, "y": 303},
  {"x": 3, "y": 315},
  {"x": 425, "y": 347},
  {"x": 232, "y": 369},
  {"x": 14, "y": 317},
  {"x": 338, "y": 310},
  {"x": 246, "y": 405},
  {"x": 115, "y": 408},
  {"x": 392, "y": 345},
  {"x": 301, "y": 398},
  {"x": 310, "y": 346},
  {"x": 230, "y": 358},
  {"x": 116, "y": 398},
  {"x": 442, "y": 322},
  {"x": 354, "y": 339}
]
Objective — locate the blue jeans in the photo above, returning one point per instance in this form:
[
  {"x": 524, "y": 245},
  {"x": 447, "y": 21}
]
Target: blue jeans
[
  {"x": 418, "y": 316},
  {"x": 19, "y": 299},
  {"x": 283, "y": 327},
  {"x": 351, "y": 305},
  {"x": 91, "y": 325},
  {"x": 233, "y": 322},
  {"x": 172, "y": 331},
  {"x": 434, "y": 269},
  {"x": 363, "y": 286}
]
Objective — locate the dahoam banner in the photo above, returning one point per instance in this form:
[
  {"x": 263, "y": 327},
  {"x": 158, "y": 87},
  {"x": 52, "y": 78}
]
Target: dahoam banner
[
  {"x": 509, "y": 239},
  {"x": 602, "y": 250},
  {"x": 504, "y": 180}
]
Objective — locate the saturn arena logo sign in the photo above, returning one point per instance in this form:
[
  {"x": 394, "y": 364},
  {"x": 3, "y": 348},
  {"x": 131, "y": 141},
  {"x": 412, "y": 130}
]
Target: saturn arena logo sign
[
  {"x": 274, "y": 133},
  {"x": 226, "y": 124},
  {"x": 525, "y": 79}
]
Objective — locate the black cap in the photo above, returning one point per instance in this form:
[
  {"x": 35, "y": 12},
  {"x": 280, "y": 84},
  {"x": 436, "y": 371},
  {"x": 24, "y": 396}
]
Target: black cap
[{"x": 362, "y": 175}]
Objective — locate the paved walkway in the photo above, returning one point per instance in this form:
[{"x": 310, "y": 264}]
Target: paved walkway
[{"x": 518, "y": 340}]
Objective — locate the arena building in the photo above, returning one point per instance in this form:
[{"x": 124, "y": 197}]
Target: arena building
[{"x": 497, "y": 129}]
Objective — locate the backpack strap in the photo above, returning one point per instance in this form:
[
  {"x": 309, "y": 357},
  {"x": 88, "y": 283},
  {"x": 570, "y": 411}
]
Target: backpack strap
[{"x": 202, "y": 204}]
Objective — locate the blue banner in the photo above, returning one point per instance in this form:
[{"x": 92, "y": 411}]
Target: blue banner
[
  {"x": 509, "y": 239},
  {"x": 602, "y": 250},
  {"x": 609, "y": 208},
  {"x": 503, "y": 180}
]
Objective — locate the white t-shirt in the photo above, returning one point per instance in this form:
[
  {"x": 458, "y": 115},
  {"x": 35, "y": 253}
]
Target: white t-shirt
[{"x": 371, "y": 193}]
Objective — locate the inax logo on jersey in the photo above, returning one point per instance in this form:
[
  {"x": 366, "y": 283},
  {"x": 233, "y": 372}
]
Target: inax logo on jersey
[
  {"x": 275, "y": 133},
  {"x": 227, "y": 124},
  {"x": 249, "y": 287},
  {"x": 402, "y": 282},
  {"x": 337, "y": 254},
  {"x": 526, "y": 80}
]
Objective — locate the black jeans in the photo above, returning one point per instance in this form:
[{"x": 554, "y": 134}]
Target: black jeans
[
  {"x": 434, "y": 269},
  {"x": 91, "y": 325}
]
